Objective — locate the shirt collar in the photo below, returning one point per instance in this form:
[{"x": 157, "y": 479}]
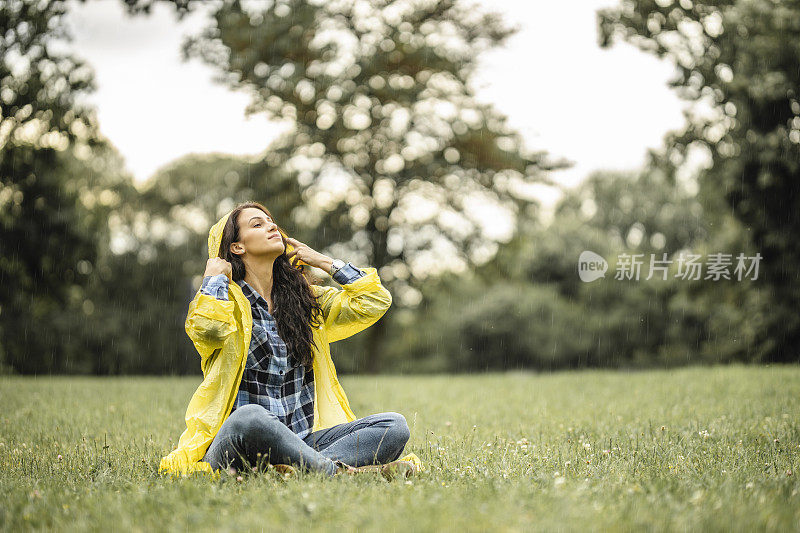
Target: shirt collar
[{"x": 256, "y": 300}]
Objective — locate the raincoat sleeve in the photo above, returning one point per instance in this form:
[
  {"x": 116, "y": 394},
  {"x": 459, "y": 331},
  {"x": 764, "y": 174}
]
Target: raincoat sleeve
[
  {"x": 355, "y": 306},
  {"x": 209, "y": 323}
]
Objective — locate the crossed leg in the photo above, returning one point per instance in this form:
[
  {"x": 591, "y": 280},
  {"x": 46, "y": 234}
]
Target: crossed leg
[
  {"x": 374, "y": 439},
  {"x": 252, "y": 435}
]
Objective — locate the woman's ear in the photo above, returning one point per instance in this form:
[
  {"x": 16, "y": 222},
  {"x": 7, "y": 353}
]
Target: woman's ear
[{"x": 237, "y": 248}]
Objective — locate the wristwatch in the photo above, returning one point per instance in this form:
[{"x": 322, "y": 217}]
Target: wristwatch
[{"x": 337, "y": 264}]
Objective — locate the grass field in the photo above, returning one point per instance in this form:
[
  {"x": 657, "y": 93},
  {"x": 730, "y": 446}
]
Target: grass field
[{"x": 697, "y": 448}]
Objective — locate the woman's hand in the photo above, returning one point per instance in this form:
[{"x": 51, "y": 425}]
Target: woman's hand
[
  {"x": 217, "y": 265},
  {"x": 305, "y": 254}
]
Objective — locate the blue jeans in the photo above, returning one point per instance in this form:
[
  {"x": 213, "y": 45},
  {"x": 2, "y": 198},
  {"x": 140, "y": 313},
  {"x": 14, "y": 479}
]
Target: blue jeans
[{"x": 252, "y": 435}]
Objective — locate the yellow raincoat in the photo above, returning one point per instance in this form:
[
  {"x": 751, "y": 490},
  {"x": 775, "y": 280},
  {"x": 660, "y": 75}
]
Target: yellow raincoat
[{"x": 221, "y": 330}]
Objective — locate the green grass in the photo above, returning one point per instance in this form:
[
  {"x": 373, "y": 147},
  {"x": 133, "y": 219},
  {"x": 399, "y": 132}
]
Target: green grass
[{"x": 699, "y": 448}]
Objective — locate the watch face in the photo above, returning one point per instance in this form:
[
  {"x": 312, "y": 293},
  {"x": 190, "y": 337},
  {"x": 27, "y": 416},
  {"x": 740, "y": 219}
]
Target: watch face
[{"x": 338, "y": 263}]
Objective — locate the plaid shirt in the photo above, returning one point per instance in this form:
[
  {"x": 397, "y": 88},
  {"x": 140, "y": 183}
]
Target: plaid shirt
[{"x": 270, "y": 379}]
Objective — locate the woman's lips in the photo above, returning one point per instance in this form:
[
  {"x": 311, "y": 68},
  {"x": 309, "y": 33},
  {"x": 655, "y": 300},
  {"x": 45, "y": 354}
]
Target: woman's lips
[{"x": 277, "y": 235}]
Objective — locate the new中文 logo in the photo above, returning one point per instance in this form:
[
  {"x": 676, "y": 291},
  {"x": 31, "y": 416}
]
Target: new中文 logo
[{"x": 591, "y": 266}]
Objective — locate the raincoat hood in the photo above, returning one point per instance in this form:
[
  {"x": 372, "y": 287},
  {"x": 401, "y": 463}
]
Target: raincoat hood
[
  {"x": 221, "y": 331},
  {"x": 215, "y": 237}
]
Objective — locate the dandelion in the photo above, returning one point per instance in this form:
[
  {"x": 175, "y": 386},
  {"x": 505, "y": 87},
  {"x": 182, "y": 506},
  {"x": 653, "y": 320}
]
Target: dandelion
[{"x": 587, "y": 446}]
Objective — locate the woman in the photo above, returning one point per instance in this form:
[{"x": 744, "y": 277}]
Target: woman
[{"x": 270, "y": 393}]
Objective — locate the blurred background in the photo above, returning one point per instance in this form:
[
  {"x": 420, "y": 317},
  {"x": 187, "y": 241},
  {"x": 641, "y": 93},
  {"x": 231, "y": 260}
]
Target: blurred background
[{"x": 468, "y": 151}]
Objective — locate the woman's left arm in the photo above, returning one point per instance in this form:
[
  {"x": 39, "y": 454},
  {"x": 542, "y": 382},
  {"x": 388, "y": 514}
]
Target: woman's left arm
[
  {"x": 347, "y": 311},
  {"x": 355, "y": 306}
]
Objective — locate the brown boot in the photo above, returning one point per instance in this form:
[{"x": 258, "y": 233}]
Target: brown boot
[
  {"x": 401, "y": 469},
  {"x": 286, "y": 471},
  {"x": 389, "y": 471},
  {"x": 343, "y": 468}
]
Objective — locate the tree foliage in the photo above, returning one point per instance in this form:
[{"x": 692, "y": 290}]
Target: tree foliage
[
  {"x": 51, "y": 206},
  {"x": 383, "y": 120},
  {"x": 740, "y": 58}
]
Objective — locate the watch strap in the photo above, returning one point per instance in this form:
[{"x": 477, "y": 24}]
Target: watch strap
[{"x": 336, "y": 265}]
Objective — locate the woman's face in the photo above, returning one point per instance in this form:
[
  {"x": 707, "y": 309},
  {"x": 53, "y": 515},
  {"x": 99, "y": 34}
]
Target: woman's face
[{"x": 258, "y": 234}]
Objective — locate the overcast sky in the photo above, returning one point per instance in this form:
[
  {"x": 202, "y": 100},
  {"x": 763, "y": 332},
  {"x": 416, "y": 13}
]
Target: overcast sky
[{"x": 598, "y": 108}]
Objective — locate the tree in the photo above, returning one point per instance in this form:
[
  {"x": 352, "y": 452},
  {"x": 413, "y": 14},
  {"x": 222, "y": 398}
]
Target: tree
[
  {"x": 741, "y": 58},
  {"x": 379, "y": 97},
  {"x": 158, "y": 252},
  {"x": 46, "y": 239}
]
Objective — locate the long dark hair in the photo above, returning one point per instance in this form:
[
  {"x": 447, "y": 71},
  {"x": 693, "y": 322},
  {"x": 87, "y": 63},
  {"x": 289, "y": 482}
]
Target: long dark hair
[{"x": 296, "y": 309}]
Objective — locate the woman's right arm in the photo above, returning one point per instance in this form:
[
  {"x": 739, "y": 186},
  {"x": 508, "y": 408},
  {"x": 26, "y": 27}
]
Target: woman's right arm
[{"x": 210, "y": 318}]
